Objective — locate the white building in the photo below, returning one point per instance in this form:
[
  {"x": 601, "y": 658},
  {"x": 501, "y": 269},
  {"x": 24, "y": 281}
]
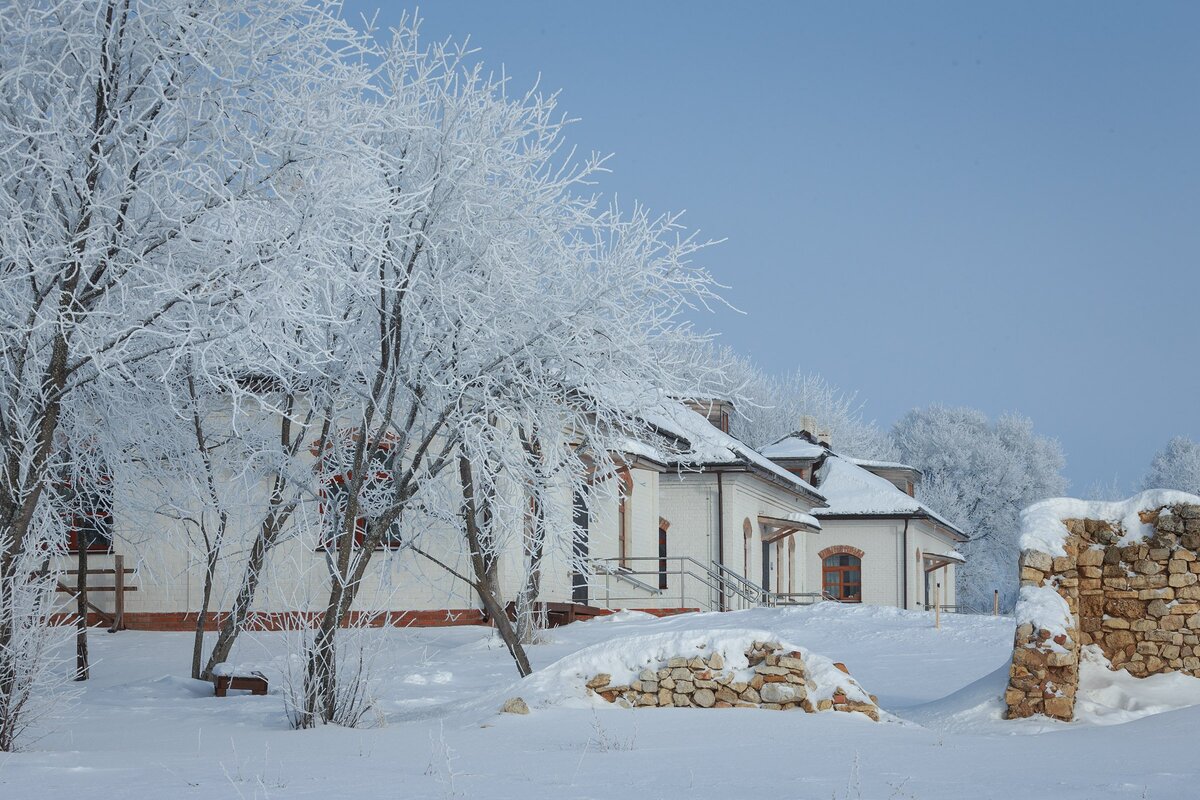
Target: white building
[
  {"x": 731, "y": 528},
  {"x": 726, "y": 530},
  {"x": 879, "y": 544}
]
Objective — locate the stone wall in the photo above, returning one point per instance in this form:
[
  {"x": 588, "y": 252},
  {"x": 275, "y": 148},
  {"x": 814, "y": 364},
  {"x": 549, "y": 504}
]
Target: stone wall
[
  {"x": 776, "y": 680},
  {"x": 1138, "y": 601}
]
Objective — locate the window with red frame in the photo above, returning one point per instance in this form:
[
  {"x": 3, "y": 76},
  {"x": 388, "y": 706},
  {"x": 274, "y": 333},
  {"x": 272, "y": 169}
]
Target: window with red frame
[
  {"x": 842, "y": 577},
  {"x": 90, "y": 519},
  {"x": 335, "y": 497}
]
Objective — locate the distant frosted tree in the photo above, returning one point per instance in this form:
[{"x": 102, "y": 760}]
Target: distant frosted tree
[
  {"x": 1176, "y": 466},
  {"x": 1110, "y": 490},
  {"x": 771, "y": 407},
  {"x": 980, "y": 474}
]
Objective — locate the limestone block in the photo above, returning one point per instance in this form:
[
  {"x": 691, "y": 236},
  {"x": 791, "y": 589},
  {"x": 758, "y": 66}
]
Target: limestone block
[
  {"x": 1184, "y": 579},
  {"x": 1157, "y": 608},
  {"x": 780, "y": 693},
  {"x": 1037, "y": 560}
]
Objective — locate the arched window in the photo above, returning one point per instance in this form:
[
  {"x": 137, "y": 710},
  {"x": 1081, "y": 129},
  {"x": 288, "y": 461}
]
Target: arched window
[
  {"x": 624, "y": 499},
  {"x": 841, "y": 573},
  {"x": 747, "y": 535},
  {"x": 791, "y": 565},
  {"x": 663, "y": 526},
  {"x": 779, "y": 566}
]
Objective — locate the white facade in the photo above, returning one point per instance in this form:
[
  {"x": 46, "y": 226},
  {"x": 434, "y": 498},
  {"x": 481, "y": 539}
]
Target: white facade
[{"x": 893, "y": 570}]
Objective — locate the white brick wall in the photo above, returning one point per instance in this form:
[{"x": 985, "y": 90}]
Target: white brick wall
[{"x": 883, "y": 562}]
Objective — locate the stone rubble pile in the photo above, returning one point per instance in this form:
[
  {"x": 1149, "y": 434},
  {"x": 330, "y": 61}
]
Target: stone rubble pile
[
  {"x": 775, "y": 680},
  {"x": 1139, "y": 603}
]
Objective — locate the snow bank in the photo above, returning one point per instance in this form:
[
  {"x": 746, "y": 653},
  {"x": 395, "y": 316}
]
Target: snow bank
[
  {"x": 1042, "y": 528},
  {"x": 1108, "y": 697},
  {"x": 562, "y": 683}
]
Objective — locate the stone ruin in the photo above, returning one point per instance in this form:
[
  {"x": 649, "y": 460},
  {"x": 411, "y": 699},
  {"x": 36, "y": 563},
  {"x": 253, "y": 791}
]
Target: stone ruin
[
  {"x": 1139, "y": 602},
  {"x": 775, "y": 680}
]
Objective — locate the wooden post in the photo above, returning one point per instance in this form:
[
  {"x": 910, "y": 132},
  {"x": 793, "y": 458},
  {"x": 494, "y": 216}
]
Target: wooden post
[
  {"x": 995, "y": 602},
  {"x": 119, "y": 613},
  {"x": 937, "y": 605}
]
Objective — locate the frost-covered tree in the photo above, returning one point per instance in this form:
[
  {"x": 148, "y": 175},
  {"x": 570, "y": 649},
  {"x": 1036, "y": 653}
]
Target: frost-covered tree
[
  {"x": 1176, "y": 466},
  {"x": 480, "y": 281},
  {"x": 770, "y": 407},
  {"x": 981, "y": 474},
  {"x": 142, "y": 145}
]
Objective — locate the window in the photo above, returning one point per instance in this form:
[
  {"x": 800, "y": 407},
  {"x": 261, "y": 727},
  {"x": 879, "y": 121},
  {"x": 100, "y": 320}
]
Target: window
[
  {"x": 91, "y": 518},
  {"x": 374, "y": 497},
  {"x": 779, "y": 567},
  {"x": 841, "y": 576},
  {"x": 663, "y": 525},
  {"x": 747, "y": 535},
  {"x": 624, "y": 495},
  {"x": 791, "y": 565}
]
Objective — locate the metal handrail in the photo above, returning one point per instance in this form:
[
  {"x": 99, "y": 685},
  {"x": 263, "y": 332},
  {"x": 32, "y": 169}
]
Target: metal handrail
[
  {"x": 788, "y": 598},
  {"x": 722, "y": 583},
  {"x": 624, "y": 574},
  {"x": 681, "y": 572}
]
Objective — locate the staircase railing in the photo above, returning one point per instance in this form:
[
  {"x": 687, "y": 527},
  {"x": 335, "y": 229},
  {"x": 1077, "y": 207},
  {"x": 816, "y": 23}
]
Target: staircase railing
[{"x": 696, "y": 584}]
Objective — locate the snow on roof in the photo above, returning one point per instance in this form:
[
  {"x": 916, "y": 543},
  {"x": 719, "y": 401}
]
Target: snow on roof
[
  {"x": 850, "y": 489},
  {"x": 793, "y": 446},
  {"x": 804, "y": 519},
  {"x": 869, "y": 464},
  {"x": 952, "y": 555},
  {"x": 800, "y": 517},
  {"x": 712, "y": 446},
  {"x": 853, "y": 490},
  {"x": 1042, "y": 527}
]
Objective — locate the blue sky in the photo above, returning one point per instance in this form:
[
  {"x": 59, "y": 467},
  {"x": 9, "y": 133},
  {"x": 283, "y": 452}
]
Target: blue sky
[{"x": 990, "y": 205}]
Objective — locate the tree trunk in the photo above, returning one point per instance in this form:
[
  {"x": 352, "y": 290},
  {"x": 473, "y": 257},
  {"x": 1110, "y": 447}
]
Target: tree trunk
[
  {"x": 235, "y": 622},
  {"x": 531, "y": 589},
  {"x": 210, "y": 569},
  {"x": 486, "y": 585},
  {"x": 81, "y": 607}
]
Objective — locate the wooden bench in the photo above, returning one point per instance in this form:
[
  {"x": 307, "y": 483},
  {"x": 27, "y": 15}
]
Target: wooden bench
[{"x": 255, "y": 683}]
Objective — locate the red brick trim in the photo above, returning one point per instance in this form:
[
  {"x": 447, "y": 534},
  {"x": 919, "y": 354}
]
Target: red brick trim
[
  {"x": 260, "y": 621},
  {"x": 277, "y": 621},
  {"x": 839, "y": 549}
]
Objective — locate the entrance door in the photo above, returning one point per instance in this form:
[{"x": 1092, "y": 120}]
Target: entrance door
[{"x": 579, "y": 578}]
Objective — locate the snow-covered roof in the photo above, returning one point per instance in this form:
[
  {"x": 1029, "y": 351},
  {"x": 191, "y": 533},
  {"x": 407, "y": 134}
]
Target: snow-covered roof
[
  {"x": 852, "y": 490},
  {"x": 951, "y": 555},
  {"x": 1042, "y": 527},
  {"x": 794, "y": 445},
  {"x": 711, "y": 446},
  {"x": 870, "y": 464},
  {"x": 804, "y": 519}
]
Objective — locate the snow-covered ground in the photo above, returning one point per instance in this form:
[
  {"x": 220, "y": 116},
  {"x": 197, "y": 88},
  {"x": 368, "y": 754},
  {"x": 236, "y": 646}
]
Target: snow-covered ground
[{"x": 139, "y": 730}]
